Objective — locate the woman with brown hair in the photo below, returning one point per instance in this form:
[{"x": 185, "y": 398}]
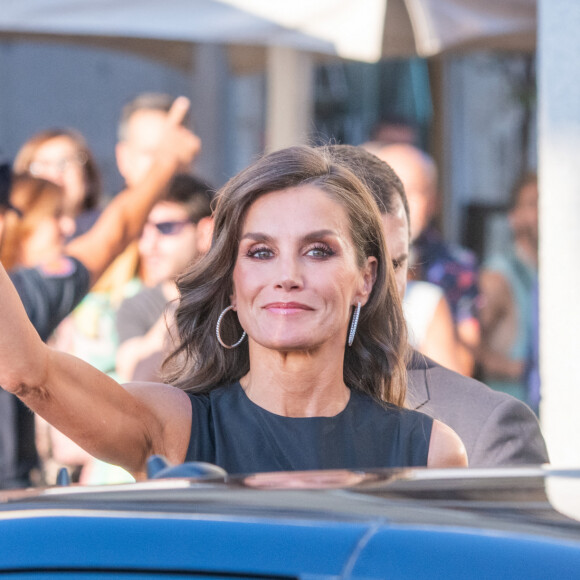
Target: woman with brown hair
[
  {"x": 291, "y": 349},
  {"x": 63, "y": 157}
]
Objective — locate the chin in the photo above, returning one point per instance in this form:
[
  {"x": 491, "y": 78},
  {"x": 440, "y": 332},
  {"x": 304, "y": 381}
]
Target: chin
[{"x": 291, "y": 344}]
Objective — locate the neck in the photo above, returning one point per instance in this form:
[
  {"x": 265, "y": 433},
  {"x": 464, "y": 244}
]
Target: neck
[{"x": 296, "y": 384}]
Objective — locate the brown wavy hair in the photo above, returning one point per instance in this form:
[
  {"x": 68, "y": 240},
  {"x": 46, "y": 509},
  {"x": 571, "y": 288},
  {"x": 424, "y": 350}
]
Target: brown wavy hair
[
  {"x": 375, "y": 364},
  {"x": 92, "y": 177},
  {"x": 36, "y": 199}
]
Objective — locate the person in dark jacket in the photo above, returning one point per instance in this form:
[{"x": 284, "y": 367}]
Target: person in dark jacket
[{"x": 496, "y": 429}]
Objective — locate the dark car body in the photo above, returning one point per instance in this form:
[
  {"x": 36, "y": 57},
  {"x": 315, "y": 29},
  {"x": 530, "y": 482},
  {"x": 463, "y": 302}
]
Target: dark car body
[{"x": 395, "y": 524}]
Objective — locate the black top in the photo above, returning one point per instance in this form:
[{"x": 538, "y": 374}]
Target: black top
[
  {"x": 51, "y": 294},
  {"x": 231, "y": 431}
]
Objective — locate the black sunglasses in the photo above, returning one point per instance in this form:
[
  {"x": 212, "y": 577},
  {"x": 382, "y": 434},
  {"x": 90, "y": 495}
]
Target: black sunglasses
[{"x": 169, "y": 228}]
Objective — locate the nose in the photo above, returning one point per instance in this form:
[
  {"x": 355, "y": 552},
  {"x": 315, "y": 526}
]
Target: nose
[{"x": 289, "y": 276}]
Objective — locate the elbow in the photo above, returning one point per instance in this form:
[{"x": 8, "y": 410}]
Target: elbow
[
  {"x": 24, "y": 389},
  {"x": 26, "y": 379}
]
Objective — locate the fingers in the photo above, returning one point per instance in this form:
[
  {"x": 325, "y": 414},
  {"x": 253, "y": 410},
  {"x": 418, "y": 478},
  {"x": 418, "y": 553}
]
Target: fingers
[
  {"x": 178, "y": 110},
  {"x": 179, "y": 143}
]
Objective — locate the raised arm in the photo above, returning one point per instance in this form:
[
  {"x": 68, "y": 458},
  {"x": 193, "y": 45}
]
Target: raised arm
[
  {"x": 121, "y": 426},
  {"x": 496, "y": 316},
  {"x": 123, "y": 219},
  {"x": 440, "y": 342}
]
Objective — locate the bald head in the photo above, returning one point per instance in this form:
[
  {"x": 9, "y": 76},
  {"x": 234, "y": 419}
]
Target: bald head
[
  {"x": 418, "y": 173},
  {"x": 383, "y": 183}
]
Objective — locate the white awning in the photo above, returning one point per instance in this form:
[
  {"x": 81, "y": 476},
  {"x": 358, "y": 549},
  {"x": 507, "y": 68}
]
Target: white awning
[{"x": 356, "y": 29}]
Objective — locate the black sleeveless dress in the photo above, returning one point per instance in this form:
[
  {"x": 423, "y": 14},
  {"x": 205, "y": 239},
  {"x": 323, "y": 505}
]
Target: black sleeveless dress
[{"x": 231, "y": 431}]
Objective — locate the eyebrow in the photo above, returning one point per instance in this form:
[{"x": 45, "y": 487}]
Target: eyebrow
[
  {"x": 256, "y": 237},
  {"x": 261, "y": 237},
  {"x": 400, "y": 257}
]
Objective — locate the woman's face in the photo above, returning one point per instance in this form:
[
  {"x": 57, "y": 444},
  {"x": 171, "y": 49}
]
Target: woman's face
[
  {"x": 46, "y": 243},
  {"x": 296, "y": 276},
  {"x": 58, "y": 160}
]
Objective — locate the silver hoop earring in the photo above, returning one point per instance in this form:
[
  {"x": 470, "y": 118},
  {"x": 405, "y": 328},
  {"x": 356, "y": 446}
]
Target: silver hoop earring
[
  {"x": 353, "y": 325},
  {"x": 217, "y": 330}
]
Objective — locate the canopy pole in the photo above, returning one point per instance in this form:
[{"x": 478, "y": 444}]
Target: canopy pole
[
  {"x": 290, "y": 97},
  {"x": 559, "y": 207},
  {"x": 209, "y": 87}
]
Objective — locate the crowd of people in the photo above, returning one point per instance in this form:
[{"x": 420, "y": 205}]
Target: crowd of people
[
  {"x": 477, "y": 319},
  {"x": 307, "y": 315}
]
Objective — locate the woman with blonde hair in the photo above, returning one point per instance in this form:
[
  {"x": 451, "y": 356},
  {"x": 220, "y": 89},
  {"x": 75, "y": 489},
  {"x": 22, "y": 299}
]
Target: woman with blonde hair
[{"x": 291, "y": 343}]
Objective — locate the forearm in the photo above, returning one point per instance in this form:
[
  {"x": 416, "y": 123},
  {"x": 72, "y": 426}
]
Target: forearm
[
  {"x": 440, "y": 343},
  {"x": 121, "y": 221}
]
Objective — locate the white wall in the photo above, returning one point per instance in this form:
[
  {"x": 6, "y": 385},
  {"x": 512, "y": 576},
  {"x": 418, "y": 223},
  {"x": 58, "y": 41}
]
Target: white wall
[{"x": 559, "y": 147}]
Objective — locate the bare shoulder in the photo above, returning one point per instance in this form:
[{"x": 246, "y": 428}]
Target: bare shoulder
[
  {"x": 445, "y": 447},
  {"x": 172, "y": 409}
]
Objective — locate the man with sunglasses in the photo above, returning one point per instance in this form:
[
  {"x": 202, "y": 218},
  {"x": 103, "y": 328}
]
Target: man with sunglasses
[
  {"x": 177, "y": 231},
  {"x": 50, "y": 292}
]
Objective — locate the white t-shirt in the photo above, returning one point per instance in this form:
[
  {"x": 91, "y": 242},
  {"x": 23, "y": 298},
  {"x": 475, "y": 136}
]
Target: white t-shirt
[{"x": 419, "y": 305}]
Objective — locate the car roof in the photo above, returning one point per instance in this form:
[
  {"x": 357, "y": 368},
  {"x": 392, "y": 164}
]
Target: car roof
[
  {"x": 515, "y": 499},
  {"x": 404, "y": 523}
]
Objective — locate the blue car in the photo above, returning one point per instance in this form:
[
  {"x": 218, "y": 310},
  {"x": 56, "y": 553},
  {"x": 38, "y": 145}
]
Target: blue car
[{"x": 319, "y": 525}]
